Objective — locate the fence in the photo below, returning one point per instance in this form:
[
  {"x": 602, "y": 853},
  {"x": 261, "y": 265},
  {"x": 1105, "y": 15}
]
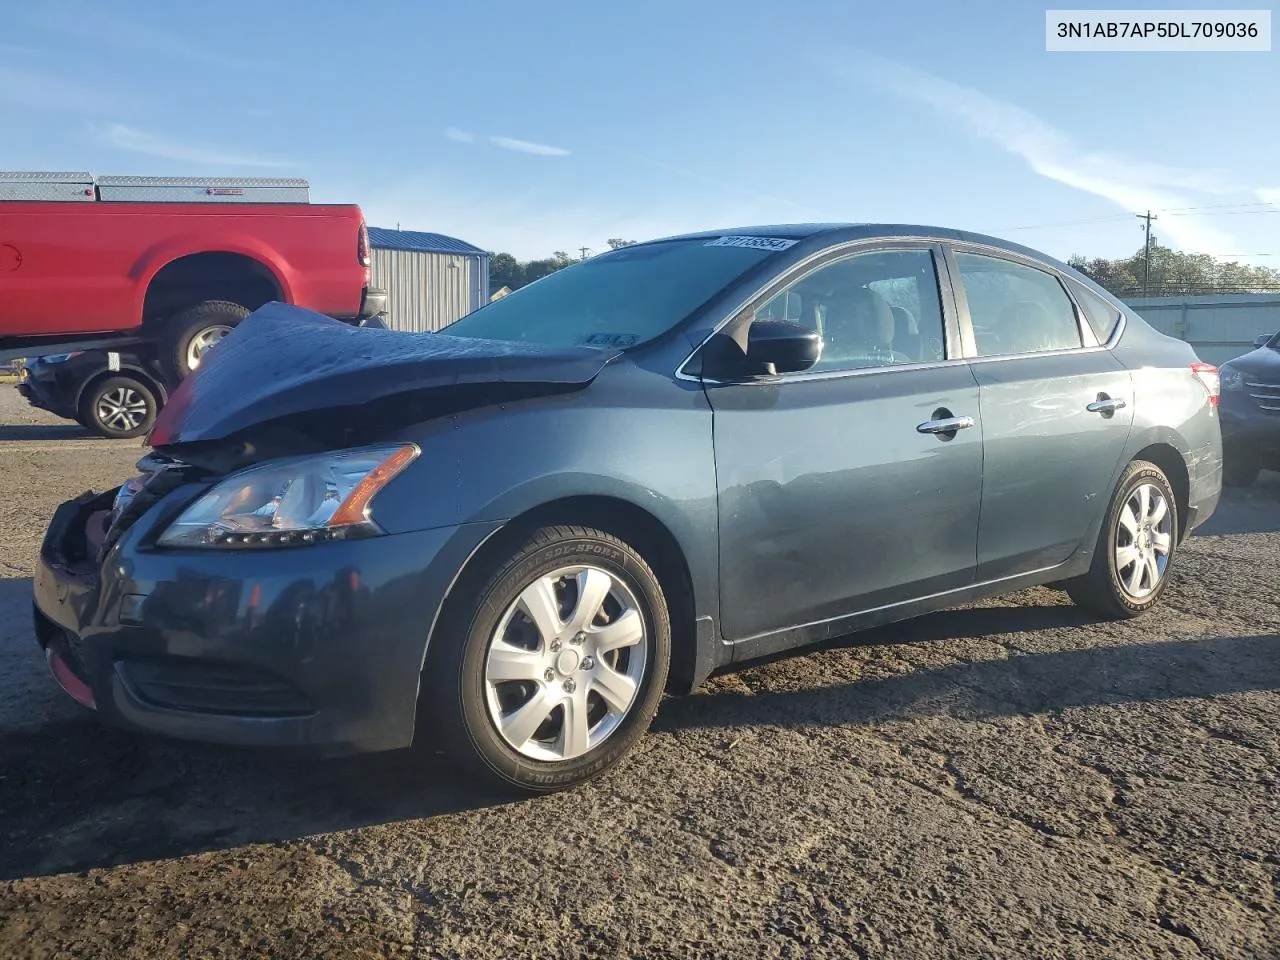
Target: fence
[{"x": 1219, "y": 327}]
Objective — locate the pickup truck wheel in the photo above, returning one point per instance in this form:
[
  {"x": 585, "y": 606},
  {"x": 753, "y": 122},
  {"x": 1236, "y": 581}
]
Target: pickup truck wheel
[
  {"x": 118, "y": 408},
  {"x": 190, "y": 333}
]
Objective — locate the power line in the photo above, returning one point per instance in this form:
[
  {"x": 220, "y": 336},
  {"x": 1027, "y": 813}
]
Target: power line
[
  {"x": 1066, "y": 223},
  {"x": 1228, "y": 213},
  {"x": 1219, "y": 206}
]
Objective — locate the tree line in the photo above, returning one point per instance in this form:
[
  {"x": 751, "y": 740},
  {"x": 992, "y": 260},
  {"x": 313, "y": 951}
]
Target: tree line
[
  {"x": 1170, "y": 273},
  {"x": 506, "y": 271}
]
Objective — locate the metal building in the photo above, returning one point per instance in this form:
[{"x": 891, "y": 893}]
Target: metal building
[
  {"x": 431, "y": 280},
  {"x": 1218, "y": 327}
]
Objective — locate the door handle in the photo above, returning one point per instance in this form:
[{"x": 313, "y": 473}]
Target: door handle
[
  {"x": 1106, "y": 405},
  {"x": 945, "y": 425}
]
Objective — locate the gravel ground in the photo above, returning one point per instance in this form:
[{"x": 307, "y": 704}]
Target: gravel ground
[{"x": 1004, "y": 780}]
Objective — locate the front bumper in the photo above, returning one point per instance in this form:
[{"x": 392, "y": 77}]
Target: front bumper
[
  {"x": 46, "y": 394},
  {"x": 319, "y": 646},
  {"x": 1249, "y": 430}
]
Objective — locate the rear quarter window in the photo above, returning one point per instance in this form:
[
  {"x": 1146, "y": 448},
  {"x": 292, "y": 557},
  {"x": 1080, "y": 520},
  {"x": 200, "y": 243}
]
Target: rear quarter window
[{"x": 1102, "y": 316}]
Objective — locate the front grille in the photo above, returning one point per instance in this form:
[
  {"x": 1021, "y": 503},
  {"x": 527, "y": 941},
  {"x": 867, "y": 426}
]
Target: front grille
[
  {"x": 162, "y": 476},
  {"x": 199, "y": 687},
  {"x": 1265, "y": 395}
]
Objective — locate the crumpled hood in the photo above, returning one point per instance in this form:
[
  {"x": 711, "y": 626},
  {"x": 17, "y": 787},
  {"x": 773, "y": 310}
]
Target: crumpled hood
[{"x": 283, "y": 360}]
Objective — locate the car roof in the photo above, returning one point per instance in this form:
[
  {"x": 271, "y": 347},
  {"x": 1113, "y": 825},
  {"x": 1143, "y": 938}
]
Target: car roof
[{"x": 832, "y": 233}]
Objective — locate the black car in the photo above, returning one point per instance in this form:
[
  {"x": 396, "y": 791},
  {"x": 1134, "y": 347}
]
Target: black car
[
  {"x": 116, "y": 395},
  {"x": 1251, "y": 413}
]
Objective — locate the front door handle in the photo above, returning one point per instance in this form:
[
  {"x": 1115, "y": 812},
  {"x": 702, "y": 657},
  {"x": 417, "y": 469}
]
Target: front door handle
[
  {"x": 945, "y": 425},
  {"x": 1106, "y": 405}
]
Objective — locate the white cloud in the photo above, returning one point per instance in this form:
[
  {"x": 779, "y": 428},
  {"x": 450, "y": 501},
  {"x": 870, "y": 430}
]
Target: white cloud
[
  {"x": 122, "y": 137},
  {"x": 1132, "y": 184},
  {"x": 528, "y": 146},
  {"x": 1269, "y": 195},
  {"x": 459, "y": 136}
]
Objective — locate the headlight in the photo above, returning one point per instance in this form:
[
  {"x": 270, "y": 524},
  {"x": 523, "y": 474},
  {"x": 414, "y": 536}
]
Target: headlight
[
  {"x": 61, "y": 357},
  {"x": 306, "y": 500},
  {"x": 1229, "y": 378}
]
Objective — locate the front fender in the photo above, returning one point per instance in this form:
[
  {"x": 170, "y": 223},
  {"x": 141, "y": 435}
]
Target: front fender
[{"x": 496, "y": 464}]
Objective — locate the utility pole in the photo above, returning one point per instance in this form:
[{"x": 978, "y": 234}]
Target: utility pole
[
  {"x": 1146, "y": 251},
  {"x": 584, "y": 251}
]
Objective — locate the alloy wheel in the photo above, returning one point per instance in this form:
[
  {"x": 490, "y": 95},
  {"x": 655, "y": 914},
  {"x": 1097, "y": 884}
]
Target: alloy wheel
[
  {"x": 1144, "y": 541},
  {"x": 203, "y": 341},
  {"x": 121, "y": 408}
]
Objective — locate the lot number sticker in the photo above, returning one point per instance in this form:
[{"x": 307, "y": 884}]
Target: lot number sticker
[{"x": 755, "y": 243}]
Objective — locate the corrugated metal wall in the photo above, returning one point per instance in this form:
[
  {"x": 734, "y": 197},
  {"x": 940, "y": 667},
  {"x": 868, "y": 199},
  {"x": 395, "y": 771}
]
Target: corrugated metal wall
[
  {"x": 426, "y": 291},
  {"x": 1219, "y": 328}
]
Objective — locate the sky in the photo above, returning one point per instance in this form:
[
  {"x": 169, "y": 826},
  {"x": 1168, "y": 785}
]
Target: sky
[{"x": 531, "y": 128}]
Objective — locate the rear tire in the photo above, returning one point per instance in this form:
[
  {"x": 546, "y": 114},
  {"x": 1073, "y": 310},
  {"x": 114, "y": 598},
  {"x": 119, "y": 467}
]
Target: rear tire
[
  {"x": 1136, "y": 546},
  {"x": 118, "y": 408},
  {"x": 1239, "y": 470},
  {"x": 189, "y": 333},
  {"x": 497, "y": 653}
]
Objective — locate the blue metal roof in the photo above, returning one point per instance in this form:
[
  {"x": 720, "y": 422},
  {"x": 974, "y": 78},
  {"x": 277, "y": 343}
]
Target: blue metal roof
[{"x": 386, "y": 239}]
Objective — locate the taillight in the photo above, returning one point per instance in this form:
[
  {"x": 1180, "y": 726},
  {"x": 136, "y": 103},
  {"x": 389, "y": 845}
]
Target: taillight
[
  {"x": 362, "y": 247},
  {"x": 1207, "y": 374}
]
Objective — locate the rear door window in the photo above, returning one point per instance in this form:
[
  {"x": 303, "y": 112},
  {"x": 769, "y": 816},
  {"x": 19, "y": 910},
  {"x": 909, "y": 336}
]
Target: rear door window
[{"x": 1016, "y": 309}]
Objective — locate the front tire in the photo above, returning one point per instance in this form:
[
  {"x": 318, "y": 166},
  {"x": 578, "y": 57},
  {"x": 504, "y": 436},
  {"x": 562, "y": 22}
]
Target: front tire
[
  {"x": 550, "y": 664},
  {"x": 118, "y": 408},
  {"x": 1135, "y": 549}
]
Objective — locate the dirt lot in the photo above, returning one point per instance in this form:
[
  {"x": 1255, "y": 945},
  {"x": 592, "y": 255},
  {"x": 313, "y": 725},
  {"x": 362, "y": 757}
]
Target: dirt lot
[{"x": 1004, "y": 780}]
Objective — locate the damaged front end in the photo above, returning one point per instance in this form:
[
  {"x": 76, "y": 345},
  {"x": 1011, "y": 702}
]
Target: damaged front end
[
  {"x": 79, "y": 537},
  {"x": 289, "y": 382}
]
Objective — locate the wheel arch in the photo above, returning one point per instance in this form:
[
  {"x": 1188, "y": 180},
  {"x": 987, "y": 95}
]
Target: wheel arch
[
  {"x": 1174, "y": 465},
  {"x": 628, "y": 521},
  {"x": 238, "y": 276},
  {"x": 148, "y": 380}
]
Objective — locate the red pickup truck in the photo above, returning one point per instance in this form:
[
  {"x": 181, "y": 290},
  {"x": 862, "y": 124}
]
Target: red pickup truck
[{"x": 172, "y": 262}]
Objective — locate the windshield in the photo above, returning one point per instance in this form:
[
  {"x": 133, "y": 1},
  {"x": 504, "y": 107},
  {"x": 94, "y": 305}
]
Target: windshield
[{"x": 618, "y": 299}]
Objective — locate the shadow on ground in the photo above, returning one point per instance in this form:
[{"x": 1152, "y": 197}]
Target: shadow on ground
[
  {"x": 1247, "y": 510},
  {"x": 45, "y": 431},
  {"x": 76, "y": 794},
  {"x": 1022, "y": 685}
]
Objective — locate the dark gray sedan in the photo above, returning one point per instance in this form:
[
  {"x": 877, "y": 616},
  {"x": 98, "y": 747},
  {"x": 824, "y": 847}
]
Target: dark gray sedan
[
  {"x": 511, "y": 537},
  {"x": 1251, "y": 412}
]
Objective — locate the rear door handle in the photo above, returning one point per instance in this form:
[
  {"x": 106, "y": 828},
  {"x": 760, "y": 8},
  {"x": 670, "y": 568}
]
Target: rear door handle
[
  {"x": 1106, "y": 405},
  {"x": 946, "y": 425}
]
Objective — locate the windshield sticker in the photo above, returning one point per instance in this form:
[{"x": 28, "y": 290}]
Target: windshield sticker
[
  {"x": 755, "y": 243},
  {"x": 612, "y": 340}
]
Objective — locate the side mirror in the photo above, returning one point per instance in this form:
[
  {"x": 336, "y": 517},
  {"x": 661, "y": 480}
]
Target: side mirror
[
  {"x": 784, "y": 346},
  {"x": 1263, "y": 340}
]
